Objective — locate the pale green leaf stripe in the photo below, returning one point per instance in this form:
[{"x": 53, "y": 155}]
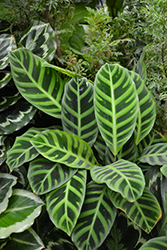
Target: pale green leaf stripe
[
  {"x": 40, "y": 86},
  {"x": 145, "y": 212},
  {"x": 22, "y": 150},
  {"x": 116, "y": 105},
  {"x": 23, "y": 208},
  {"x": 66, "y": 148},
  {"x": 155, "y": 154},
  {"x": 147, "y": 108},
  {"x": 96, "y": 218},
  {"x": 7, "y": 181},
  {"x": 78, "y": 115},
  {"x": 64, "y": 203},
  {"x": 44, "y": 175},
  {"x": 122, "y": 176},
  {"x": 157, "y": 243}
]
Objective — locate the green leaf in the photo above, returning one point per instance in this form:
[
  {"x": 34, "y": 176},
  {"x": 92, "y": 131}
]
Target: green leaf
[
  {"x": 39, "y": 85},
  {"x": 4, "y": 79},
  {"x": 39, "y": 38},
  {"x": 129, "y": 151},
  {"x": 44, "y": 175},
  {"x": 22, "y": 150},
  {"x": 140, "y": 68},
  {"x": 147, "y": 109},
  {"x": 122, "y": 176},
  {"x": 66, "y": 148},
  {"x": 157, "y": 243},
  {"x": 77, "y": 40},
  {"x": 64, "y": 204},
  {"x": 28, "y": 240},
  {"x": 100, "y": 146},
  {"x": 96, "y": 218},
  {"x": 163, "y": 170},
  {"x": 155, "y": 154},
  {"x": 23, "y": 208},
  {"x": 16, "y": 117},
  {"x": 145, "y": 212},
  {"x": 3, "y": 151},
  {"x": 7, "y": 181},
  {"x": 78, "y": 115},
  {"x": 116, "y": 105},
  {"x": 7, "y": 44}
]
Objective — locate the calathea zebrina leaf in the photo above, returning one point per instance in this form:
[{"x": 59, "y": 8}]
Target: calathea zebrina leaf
[
  {"x": 78, "y": 115},
  {"x": 147, "y": 110},
  {"x": 96, "y": 218},
  {"x": 66, "y": 148},
  {"x": 116, "y": 105},
  {"x": 45, "y": 175},
  {"x": 39, "y": 38},
  {"x": 4, "y": 79},
  {"x": 145, "y": 212},
  {"x": 39, "y": 85},
  {"x": 7, "y": 44},
  {"x": 157, "y": 243},
  {"x": 16, "y": 116},
  {"x": 64, "y": 203},
  {"x": 121, "y": 176}
]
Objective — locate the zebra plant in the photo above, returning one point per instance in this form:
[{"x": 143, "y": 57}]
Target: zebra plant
[{"x": 105, "y": 157}]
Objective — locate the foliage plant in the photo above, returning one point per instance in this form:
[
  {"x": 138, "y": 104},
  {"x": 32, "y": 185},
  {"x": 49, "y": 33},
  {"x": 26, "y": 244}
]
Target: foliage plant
[{"x": 95, "y": 177}]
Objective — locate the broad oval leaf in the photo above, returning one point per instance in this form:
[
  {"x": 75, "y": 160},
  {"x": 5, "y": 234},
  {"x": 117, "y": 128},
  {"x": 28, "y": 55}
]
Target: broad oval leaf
[
  {"x": 23, "y": 208},
  {"x": 16, "y": 116},
  {"x": 39, "y": 38},
  {"x": 78, "y": 115},
  {"x": 121, "y": 176},
  {"x": 145, "y": 212},
  {"x": 147, "y": 109},
  {"x": 163, "y": 170},
  {"x": 44, "y": 175},
  {"x": 157, "y": 243},
  {"x": 116, "y": 105},
  {"x": 96, "y": 218},
  {"x": 28, "y": 240},
  {"x": 39, "y": 85},
  {"x": 7, "y": 44},
  {"x": 22, "y": 150},
  {"x": 7, "y": 181},
  {"x": 155, "y": 154},
  {"x": 66, "y": 148},
  {"x": 64, "y": 203}
]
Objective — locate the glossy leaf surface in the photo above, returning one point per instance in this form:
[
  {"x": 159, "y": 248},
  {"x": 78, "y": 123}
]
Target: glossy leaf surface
[
  {"x": 121, "y": 176},
  {"x": 64, "y": 204},
  {"x": 44, "y": 175},
  {"x": 116, "y": 105},
  {"x": 78, "y": 115},
  {"x": 157, "y": 243},
  {"x": 7, "y": 181},
  {"x": 155, "y": 154},
  {"x": 23, "y": 208},
  {"x": 145, "y": 212},
  {"x": 96, "y": 218},
  {"x": 66, "y": 148},
  {"x": 39, "y": 85}
]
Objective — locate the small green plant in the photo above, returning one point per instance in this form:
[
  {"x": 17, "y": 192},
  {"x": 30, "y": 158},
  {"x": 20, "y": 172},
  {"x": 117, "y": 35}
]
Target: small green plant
[{"x": 101, "y": 155}]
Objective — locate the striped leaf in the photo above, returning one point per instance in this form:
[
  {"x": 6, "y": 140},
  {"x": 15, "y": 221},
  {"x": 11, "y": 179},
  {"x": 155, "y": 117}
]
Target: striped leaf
[
  {"x": 96, "y": 218},
  {"x": 78, "y": 115},
  {"x": 44, "y": 175},
  {"x": 23, "y": 208},
  {"x": 28, "y": 240},
  {"x": 116, "y": 105},
  {"x": 64, "y": 203},
  {"x": 145, "y": 212},
  {"x": 121, "y": 176},
  {"x": 22, "y": 150},
  {"x": 100, "y": 146},
  {"x": 163, "y": 170},
  {"x": 7, "y": 181},
  {"x": 66, "y": 148},
  {"x": 147, "y": 109},
  {"x": 155, "y": 154},
  {"x": 158, "y": 243},
  {"x": 3, "y": 151},
  {"x": 39, "y": 38},
  {"x": 39, "y": 85},
  {"x": 7, "y": 44},
  {"x": 16, "y": 116},
  {"x": 4, "y": 79}
]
